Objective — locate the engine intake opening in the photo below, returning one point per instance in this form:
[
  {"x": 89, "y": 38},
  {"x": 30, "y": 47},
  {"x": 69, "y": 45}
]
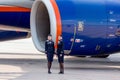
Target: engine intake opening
[{"x": 43, "y": 22}]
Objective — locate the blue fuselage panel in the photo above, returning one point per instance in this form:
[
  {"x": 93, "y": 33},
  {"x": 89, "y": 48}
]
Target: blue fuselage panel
[{"x": 100, "y": 20}]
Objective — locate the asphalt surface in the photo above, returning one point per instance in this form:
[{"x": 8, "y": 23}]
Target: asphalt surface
[{"x": 19, "y": 60}]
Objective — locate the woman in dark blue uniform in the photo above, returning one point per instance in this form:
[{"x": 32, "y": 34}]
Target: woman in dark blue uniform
[
  {"x": 49, "y": 50},
  {"x": 60, "y": 54}
]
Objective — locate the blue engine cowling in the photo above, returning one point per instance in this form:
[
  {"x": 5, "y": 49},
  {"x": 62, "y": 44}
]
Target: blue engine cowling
[{"x": 89, "y": 27}]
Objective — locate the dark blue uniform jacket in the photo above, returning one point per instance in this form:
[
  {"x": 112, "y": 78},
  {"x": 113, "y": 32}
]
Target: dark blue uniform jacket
[
  {"x": 49, "y": 50},
  {"x": 60, "y": 51}
]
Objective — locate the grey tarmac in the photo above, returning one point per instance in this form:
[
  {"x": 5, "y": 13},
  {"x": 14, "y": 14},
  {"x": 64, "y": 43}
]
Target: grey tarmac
[{"x": 19, "y": 60}]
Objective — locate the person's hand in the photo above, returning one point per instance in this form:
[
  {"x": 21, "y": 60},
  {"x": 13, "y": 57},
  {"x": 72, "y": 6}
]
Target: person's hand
[{"x": 56, "y": 55}]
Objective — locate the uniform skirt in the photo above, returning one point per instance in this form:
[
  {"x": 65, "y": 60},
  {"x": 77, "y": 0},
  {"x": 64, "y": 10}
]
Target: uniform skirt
[
  {"x": 60, "y": 58},
  {"x": 50, "y": 57}
]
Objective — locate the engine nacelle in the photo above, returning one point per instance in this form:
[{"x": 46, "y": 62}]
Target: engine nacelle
[{"x": 43, "y": 22}]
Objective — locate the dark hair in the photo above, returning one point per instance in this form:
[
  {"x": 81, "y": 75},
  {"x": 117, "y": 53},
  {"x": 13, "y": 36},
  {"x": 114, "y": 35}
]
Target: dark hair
[
  {"x": 49, "y": 35},
  {"x": 61, "y": 35}
]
